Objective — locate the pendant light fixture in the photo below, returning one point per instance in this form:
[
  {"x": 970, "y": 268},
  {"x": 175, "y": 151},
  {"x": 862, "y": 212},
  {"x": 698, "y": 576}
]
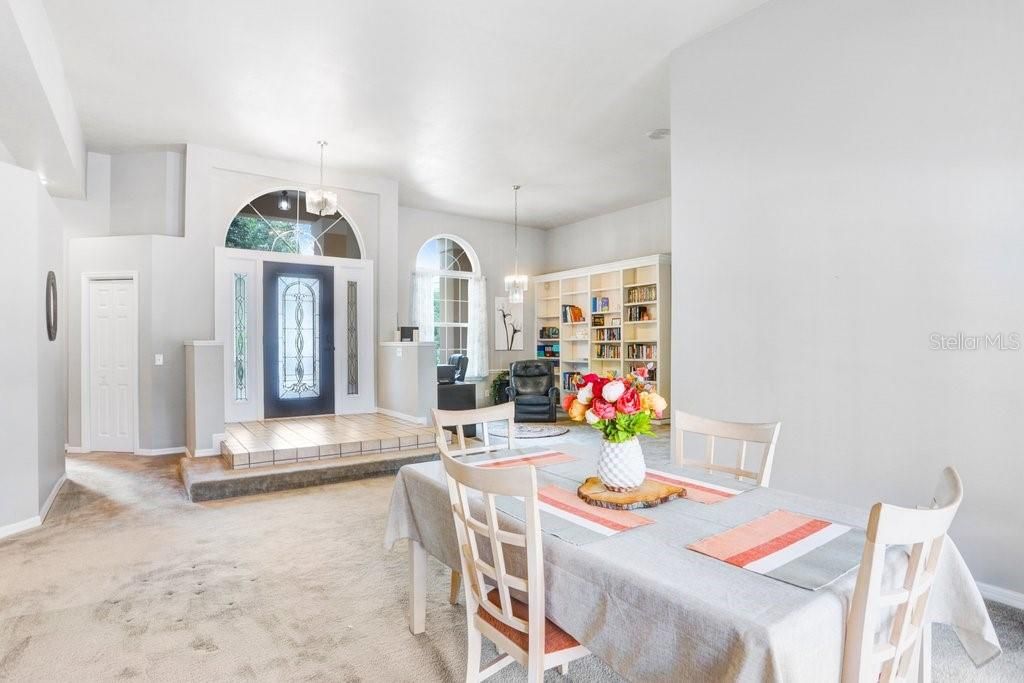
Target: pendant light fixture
[
  {"x": 283, "y": 203},
  {"x": 320, "y": 201},
  {"x": 516, "y": 284}
]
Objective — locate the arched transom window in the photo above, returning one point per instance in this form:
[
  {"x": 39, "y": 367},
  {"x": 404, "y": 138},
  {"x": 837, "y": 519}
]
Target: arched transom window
[{"x": 278, "y": 221}]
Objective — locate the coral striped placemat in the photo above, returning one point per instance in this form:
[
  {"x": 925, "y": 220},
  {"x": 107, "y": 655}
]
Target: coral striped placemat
[
  {"x": 800, "y": 550},
  {"x": 535, "y": 459},
  {"x": 696, "y": 490}
]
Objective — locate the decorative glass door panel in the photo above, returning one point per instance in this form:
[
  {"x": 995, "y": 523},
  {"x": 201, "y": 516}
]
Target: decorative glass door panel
[{"x": 298, "y": 331}]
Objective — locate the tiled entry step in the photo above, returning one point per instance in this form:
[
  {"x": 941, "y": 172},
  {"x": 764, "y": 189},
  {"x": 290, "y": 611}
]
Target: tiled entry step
[{"x": 271, "y": 442}]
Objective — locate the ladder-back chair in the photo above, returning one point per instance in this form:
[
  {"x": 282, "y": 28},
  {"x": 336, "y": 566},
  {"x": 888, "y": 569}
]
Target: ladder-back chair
[
  {"x": 519, "y": 630},
  {"x": 907, "y": 639},
  {"x": 763, "y": 435}
]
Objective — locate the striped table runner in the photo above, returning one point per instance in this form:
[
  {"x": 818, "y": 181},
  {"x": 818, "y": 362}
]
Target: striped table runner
[
  {"x": 564, "y": 515},
  {"x": 799, "y": 550},
  {"x": 535, "y": 459},
  {"x": 696, "y": 490}
]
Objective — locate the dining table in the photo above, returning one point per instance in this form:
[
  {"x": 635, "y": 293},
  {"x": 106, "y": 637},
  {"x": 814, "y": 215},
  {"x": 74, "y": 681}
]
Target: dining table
[{"x": 653, "y": 609}]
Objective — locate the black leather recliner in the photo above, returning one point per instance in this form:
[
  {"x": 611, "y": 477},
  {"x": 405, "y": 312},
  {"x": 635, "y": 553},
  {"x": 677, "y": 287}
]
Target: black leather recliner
[
  {"x": 533, "y": 389},
  {"x": 461, "y": 364}
]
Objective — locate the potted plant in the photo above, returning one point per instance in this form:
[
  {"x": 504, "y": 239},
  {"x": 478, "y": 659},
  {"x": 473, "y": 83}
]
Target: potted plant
[
  {"x": 622, "y": 409},
  {"x": 498, "y": 386}
]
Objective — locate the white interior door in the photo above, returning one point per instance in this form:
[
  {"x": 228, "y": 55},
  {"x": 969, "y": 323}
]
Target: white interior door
[{"x": 113, "y": 355}]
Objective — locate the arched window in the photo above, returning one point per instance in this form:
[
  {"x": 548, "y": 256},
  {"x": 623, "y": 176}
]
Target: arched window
[
  {"x": 447, "y": 297},
  {"x": 278, "y": 221}
]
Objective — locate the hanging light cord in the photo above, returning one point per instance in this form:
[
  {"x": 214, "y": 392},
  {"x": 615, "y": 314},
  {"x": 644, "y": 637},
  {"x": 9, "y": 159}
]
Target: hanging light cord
[{"x": 515, "y": 229}]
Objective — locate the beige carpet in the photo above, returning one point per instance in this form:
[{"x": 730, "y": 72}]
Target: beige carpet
[{"x": 127, "y": 579}]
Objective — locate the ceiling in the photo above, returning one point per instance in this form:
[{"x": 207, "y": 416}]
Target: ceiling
[{"x": 456, "y": 99}]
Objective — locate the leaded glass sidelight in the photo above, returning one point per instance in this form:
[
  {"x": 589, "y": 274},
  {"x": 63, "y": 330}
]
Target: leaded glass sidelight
[
  {"x": 241, "y": 333},
  {"x": 298, "y": 337},
  {"x": 353, "y": 338}
]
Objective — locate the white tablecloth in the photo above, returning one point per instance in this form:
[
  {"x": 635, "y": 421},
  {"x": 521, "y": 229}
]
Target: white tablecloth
[{"x": 655, "y": 611}]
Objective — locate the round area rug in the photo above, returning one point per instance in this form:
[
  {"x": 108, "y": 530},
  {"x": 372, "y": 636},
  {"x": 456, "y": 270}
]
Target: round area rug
[{"x": 527, "y": 431}]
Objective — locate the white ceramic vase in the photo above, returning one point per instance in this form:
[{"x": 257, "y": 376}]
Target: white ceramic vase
[{"x": 621, "y": 465}]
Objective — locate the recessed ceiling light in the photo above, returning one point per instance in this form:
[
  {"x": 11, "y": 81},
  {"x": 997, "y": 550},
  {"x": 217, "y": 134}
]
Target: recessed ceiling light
[{"x": 659, "y": 133}]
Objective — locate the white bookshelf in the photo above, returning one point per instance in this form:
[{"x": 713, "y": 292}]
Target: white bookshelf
[{"x": 626, "y": 319}]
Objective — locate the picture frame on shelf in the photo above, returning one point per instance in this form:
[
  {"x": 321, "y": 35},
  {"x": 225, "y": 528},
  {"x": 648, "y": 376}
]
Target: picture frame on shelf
[{"x": 616, "y": 322}]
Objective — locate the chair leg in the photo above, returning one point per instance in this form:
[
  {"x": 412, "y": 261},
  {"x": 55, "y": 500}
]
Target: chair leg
[
  {"x": 924, "y": 671},
  {"x": 473, "y": 653},
  {"x": 453, "y": 591},
  {"x": 535, "y": 668}
]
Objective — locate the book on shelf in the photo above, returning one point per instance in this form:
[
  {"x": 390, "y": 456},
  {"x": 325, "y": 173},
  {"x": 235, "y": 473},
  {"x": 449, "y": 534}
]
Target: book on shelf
[
  {"x": 549, "y": 333},
  {"x": 547, "y": 350},
  {"x": 599, "y": 304},
  {"x": 612, "y": 334},
  {"x": 652, "y": 372},
  {"x": 638, "y": 314},
  {"x": 641, "y": 293},
  {"x": 644, "y": 350},
  {"x": 597, "y": 320},
  {"x": 572, "y": 314},
  {"x": 607, "y": 351},
  {"x": 569, "y": 380}
]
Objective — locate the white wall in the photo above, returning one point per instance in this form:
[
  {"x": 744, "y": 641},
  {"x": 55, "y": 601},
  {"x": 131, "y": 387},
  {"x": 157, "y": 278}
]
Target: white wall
[
  {"x": 492, "y": 243},
  {"x": 34, "y": 369},
  {"x": 637, "y": 231},
  {"x": 846, "y": 180},
  {"x": 146, "y": 193}
]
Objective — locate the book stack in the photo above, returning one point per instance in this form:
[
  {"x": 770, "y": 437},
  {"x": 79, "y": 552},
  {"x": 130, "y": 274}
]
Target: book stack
[
  {"x": 547, "y": 350},
  {"x": 638, "y": 313},
  {"x": 641, "y": 294},
  {"x": 642, "y": 351},
  {"x": 599, "y": 304},
  {"x": 608, "y": 351},
  {"x": 572, "y": 314},
  {"x": 609, "y": 335}
]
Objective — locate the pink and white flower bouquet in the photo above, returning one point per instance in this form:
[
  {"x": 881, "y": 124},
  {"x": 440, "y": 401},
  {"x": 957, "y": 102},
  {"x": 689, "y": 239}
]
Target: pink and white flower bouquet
[{"x": 621, "y": 407}]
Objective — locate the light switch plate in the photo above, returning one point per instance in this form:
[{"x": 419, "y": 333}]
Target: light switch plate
[{"x": 158, "y": 359}]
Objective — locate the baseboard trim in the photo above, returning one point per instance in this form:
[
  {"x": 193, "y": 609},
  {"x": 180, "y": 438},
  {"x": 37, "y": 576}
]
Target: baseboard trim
[
  {"x": 161, "y": 451},
  {"x": 1003, "y": 595},
  {"x": 75, "y": 449},
  {"x": 45, "y": 510},
  {"x": 18, "y": 527},
  {"x": 216, "y": 440},
  {"x": 402, "y": 416}
]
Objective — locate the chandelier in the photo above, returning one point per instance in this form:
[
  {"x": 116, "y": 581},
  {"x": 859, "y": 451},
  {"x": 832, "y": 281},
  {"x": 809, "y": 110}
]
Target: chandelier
[
  {"x": 320, "y": 201},
  {"x": 516, "y": 284}
]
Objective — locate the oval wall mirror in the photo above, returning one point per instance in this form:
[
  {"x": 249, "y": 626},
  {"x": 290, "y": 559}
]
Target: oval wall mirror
[{"x": 51, "y": 305}]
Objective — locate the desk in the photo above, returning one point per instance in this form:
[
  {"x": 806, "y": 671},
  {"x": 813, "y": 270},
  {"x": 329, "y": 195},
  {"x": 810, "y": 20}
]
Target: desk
[{"x": 458, "y": 396}]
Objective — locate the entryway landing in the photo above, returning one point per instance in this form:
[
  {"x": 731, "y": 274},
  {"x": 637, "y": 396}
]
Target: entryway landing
[{"x": 325, "y": 437}]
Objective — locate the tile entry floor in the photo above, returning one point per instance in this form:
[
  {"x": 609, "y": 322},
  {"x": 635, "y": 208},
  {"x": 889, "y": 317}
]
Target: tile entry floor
[{"x": 269, "y": 442}]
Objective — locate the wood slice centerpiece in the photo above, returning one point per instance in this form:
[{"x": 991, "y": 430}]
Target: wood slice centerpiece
[{"x": 649, "y": 494}]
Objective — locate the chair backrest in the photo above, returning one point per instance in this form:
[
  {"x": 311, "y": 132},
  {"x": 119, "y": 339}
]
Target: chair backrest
[
  {"x": 924, "y": 531},
  {"x": 503, "y": 412},
  {"x": 762, "y": 435},
  {"x": 531, "y": 376},
  {"x": 480, "y": 575},
  {"x": 461, "y": 364}
]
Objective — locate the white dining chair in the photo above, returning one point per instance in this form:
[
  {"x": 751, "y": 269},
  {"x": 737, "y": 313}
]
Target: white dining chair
[
  {"x": 519, "y": 630},
  {"x": 763, "y": 435},
  {"x": 503, "y": 412},
  {"x": 907, "y": 639}
]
